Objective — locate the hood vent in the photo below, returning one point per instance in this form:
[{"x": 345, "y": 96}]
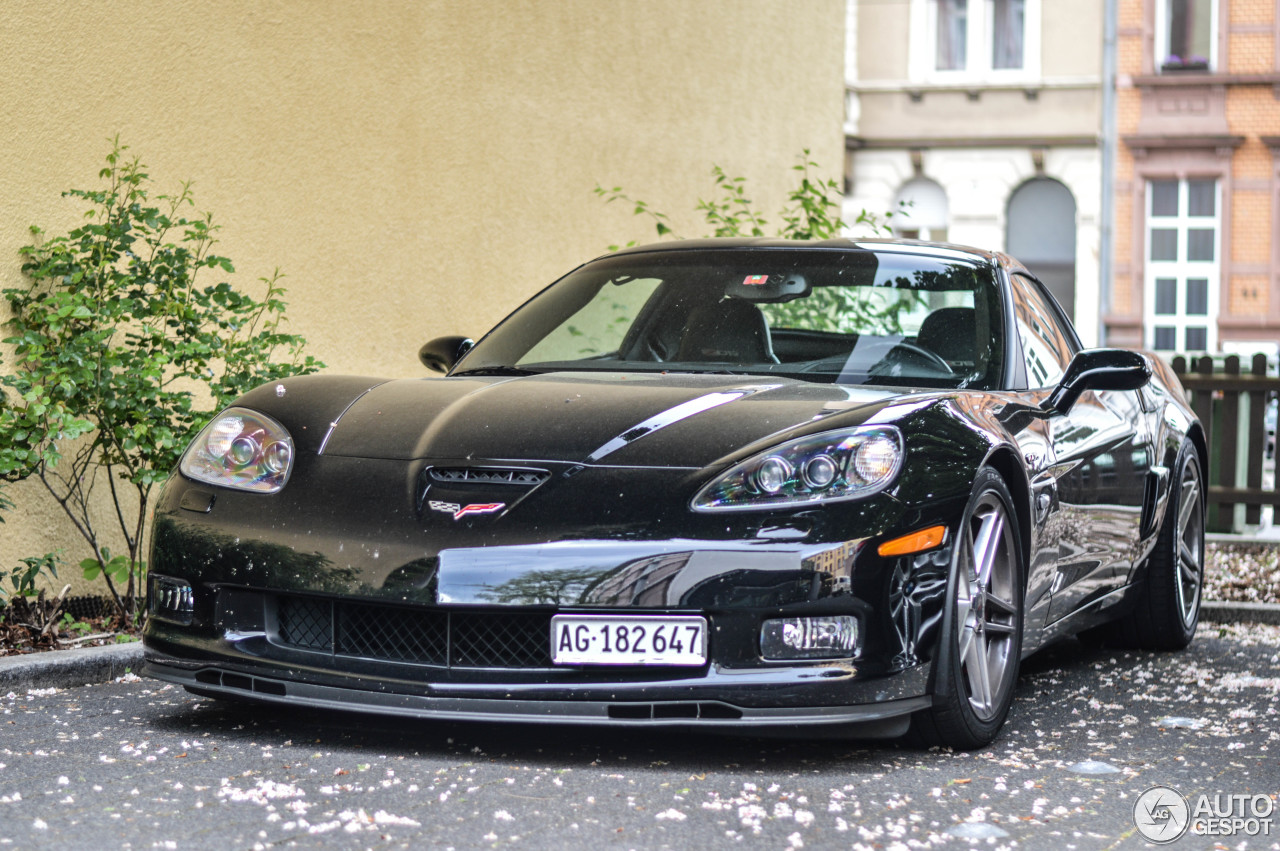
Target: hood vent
[{"x": 488, "y": 476}]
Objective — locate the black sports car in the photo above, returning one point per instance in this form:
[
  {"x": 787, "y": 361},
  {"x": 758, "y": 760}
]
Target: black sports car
[{"x": 725, "y": 483}]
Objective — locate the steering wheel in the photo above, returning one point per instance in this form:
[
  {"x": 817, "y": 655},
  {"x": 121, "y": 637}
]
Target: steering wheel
[
  {"x": 905, "y": 351},
  {"x": 884, "y": 357},
  {"x": 654, "y": 349}
]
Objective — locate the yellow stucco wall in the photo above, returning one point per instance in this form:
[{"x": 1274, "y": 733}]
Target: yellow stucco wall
[{"x": 415, "y": 168}]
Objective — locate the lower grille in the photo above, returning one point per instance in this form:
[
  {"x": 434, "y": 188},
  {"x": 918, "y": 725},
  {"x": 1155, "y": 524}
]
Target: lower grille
[
  {"x": 456, "y": 639},
  {"x": 306, "y": 622},
  {"x": 398, "y": 635}
]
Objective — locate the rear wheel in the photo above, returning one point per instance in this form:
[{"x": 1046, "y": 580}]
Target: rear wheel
[
  {"x": 977, "y": 662},
  {"x": 1167, "y": 615}
]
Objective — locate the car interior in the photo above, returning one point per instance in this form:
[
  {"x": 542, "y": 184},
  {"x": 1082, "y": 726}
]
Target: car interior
[{"x": 883, "y": 319}]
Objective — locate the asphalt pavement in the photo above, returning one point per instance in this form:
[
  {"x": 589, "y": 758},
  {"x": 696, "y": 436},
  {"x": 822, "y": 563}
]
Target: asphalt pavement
[{"x": 137, "y": 764}]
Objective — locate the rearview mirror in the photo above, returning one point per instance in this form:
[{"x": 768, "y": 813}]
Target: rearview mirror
[
  {"x": 1098, "y": 369},
  {"x": 773, "y": 288},
  {"x": 440, "y": 354}
]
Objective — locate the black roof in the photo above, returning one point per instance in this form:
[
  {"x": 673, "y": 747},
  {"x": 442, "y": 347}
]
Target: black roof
[{"x": 912, "y": 246}]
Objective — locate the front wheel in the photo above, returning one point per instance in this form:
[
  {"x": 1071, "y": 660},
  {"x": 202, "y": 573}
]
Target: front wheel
[{"x": 977, "y": 663}]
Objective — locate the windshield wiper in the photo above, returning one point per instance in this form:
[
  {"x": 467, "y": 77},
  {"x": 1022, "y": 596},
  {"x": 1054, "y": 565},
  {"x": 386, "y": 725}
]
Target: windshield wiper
[
  {"x": 496, "y": 370},
  {"x": 683, "y": 371}
]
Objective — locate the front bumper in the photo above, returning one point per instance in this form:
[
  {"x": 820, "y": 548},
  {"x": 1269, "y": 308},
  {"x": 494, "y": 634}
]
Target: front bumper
[
  {"x": 254, "y": 651},
  {"x": 248, "y": 560}
]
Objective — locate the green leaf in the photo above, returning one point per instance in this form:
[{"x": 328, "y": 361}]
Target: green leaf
[{"x": 119, "y": 343}]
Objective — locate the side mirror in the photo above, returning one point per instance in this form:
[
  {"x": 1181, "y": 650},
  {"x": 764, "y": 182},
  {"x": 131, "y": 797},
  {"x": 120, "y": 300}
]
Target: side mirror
[
  {"x": 440, "y": 354},
  {"x": 1098, "y": 369}
]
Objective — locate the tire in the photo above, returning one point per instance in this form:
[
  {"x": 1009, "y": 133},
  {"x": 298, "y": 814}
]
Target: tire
[
  {"x": 976, "y": 667},
  {"x": 1167, "y": 615}
]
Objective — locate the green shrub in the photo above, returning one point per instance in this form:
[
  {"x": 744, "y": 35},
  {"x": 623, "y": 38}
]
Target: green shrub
[
  {"x": 812, "y": 210},
  {"x": 122, "y": 351},
  {"x": 23, "y": 579}
]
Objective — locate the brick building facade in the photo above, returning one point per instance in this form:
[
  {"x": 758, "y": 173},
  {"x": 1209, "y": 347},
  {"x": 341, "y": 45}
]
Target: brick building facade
[{"x": 1197, "y": 180}]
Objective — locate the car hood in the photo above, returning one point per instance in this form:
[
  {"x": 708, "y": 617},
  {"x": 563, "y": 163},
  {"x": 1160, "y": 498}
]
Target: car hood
[{"x": 616, "y": 419}]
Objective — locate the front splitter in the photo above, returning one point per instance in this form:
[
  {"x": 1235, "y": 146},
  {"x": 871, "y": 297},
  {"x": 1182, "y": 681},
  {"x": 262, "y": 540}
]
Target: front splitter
[{"x": 888, "y": 718}]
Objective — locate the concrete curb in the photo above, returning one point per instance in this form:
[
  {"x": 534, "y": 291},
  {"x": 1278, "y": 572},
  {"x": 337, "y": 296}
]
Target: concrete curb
[
  {"x": 69, "y": 668},
  {"x": 1266, "y": 537},
  {"x": 1219, "y": 612}
]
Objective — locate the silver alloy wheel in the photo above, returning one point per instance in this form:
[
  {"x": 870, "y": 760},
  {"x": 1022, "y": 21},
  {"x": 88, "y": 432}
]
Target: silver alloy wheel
[
  {"x": 985, "y": 605},
  {"x": 1189, "y": 541}
]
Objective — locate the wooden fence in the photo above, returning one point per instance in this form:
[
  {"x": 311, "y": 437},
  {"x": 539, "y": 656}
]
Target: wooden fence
[{"x": 1233, "y": 405}]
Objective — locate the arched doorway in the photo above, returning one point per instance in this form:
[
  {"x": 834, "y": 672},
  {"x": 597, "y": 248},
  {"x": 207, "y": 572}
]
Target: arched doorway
[
  {"x": 1041, "y": 232},
  {"x": 921, "y": 211}
]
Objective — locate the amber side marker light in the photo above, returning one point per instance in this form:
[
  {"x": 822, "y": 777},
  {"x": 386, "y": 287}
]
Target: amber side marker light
[{"x": 916, "y": 542}]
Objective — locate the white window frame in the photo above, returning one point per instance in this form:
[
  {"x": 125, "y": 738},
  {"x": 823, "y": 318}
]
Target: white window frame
[
  {"x": 978, "y": 46},
  {"x": 1162, "y": 35},
  {"x": 1181, "y": 269}
]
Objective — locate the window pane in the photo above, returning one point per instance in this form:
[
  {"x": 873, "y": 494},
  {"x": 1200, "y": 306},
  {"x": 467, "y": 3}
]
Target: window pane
[
  {"x": 1166, "y": 296},
  {"x": 1197, "y": 339},
  {"x": 1190, "y": 31},
  {"x": 1044, "y": 343},
  {"x": 1166, "y": 339},
  {"x": 1201, "y": 30},
  {"x": 1197, "y": 297},
  {"x": 1178, "y": 29},
  {"x": 1164, "y": 197},
  {"x": 953, "y": 27},
  {"x": 598, "y": 327},
  {"x": 1201, "y": 197},
  {"x": 1007, "y": 28},
  {"x": 1200, "y": 243},
  {"x": 1164, "y": 244}
]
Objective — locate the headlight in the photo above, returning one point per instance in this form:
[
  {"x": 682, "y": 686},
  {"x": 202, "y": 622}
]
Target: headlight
[
  {"x": 827, "y": 467},
  {"x": 241, "y": 449}
]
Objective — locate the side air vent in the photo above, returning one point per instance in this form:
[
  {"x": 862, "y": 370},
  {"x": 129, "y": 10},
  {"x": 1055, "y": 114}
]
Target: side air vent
[
  {"x": 213, "y": 677},
  {"x": 488, "y": 476},
  {"x": 668, "y": 711}
]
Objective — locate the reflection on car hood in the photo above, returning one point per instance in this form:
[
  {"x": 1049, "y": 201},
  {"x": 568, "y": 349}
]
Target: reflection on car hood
[{"x": 623, "y": 419}]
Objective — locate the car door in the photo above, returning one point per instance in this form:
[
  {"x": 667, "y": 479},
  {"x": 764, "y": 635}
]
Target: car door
[{"x": 1101, "y": 456}]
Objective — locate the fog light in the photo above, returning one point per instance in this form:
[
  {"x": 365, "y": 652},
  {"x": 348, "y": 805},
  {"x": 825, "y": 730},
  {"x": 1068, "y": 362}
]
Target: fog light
[
  {"x": 171, "y": 600},
  {"x": 828, "y": 637}
]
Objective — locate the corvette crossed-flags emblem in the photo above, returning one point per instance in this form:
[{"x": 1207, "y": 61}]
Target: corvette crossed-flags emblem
[{"x": 460, "y": 511}]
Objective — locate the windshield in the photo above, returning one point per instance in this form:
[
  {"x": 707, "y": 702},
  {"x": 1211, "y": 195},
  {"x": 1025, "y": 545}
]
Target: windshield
[{"x": 851, "y": 317}]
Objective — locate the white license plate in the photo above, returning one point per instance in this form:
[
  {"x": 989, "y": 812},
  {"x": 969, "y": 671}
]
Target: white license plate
[{"x": 628, "y": 640}]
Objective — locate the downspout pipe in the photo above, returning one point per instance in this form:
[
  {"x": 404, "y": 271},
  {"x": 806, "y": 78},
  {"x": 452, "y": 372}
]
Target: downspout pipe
[{"x": 1106, "y": 218}]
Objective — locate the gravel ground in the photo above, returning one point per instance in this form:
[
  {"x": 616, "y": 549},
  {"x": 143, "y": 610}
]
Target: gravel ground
[
  {"x": 1242, "y": 573},
  {"x": 140, "y": 764}
]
